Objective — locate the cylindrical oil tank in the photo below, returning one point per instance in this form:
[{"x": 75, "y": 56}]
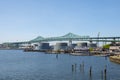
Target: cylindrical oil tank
[
  {"x": 92, "y": 45},
  {"x": 44, "y": 46},
  {"x": 84, "y": 44},
  {"x": 60, "y": 46},
  {"x": 74, "y": 45}
]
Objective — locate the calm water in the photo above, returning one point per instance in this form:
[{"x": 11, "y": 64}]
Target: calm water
[{"x": 19, "y": 65}]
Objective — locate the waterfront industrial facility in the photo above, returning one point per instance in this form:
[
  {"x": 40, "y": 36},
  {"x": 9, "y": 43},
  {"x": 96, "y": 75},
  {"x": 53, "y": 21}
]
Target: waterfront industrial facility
[
  {"x": 69, "y": 43},
  {"x": 69, "y": 38},
  {"x": 65, "y": 42}
]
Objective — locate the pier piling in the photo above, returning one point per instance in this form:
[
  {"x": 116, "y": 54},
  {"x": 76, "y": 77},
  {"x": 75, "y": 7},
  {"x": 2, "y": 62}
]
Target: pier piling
[
  {"x": 90, "y": 71},
  {"x": 75, "y": 66},
  {"x": 56, "y": 56},
  {"x": 72, "y": 68},
  {"x": 80, "y": 67},
  {"x": 105, "y": 73}
]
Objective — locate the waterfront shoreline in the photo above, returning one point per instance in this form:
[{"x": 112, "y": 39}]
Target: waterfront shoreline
[{"x": 115, "y": 59}]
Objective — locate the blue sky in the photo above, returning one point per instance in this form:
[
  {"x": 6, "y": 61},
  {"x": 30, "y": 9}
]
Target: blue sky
[{"x": 22, "y": 20}]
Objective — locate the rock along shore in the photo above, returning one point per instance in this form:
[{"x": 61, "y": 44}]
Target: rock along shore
[{"x": 115, "y": 58}]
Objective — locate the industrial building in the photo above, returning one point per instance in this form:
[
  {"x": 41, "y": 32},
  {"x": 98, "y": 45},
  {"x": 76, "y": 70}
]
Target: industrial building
[
  {"x": 61, "y": 46},
  {"x": 44, "y": 46},
  {"x": 92, "y": 45},
  {"x": 82, "y": 44},
  {"x": 73, "y": 45}
]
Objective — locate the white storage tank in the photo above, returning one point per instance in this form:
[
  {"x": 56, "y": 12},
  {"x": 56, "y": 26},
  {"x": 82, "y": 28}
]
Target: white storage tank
[
  {"x": 92, "y": 45},
  {"x": 74, "y": 45},
  {"x": 84, "y": 44},
  {"x": 44, "y": 46},
  {"x": 60, "y": 46}
]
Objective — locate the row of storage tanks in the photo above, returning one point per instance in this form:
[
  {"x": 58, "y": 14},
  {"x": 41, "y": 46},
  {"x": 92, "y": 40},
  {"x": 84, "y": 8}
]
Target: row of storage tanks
[{"x": 63, "y": 46}]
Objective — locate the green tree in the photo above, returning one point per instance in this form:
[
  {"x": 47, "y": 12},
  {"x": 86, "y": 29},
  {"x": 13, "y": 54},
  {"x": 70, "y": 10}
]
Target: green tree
[
  {"x": 107, "y": 46},
  {"x": 91, "y": 49}
]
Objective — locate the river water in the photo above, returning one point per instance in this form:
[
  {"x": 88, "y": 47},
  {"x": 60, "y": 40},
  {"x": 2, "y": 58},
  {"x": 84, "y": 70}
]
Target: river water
[{"x": 19, "y": 65}]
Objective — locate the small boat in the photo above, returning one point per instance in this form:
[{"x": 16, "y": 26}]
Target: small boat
[
  {"x": 81, "y": 51},
  {"x": 80, "y": 54}
]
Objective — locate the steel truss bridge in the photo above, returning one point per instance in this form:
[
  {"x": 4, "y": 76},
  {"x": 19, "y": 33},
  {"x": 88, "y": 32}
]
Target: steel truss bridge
[{"x": 71, "y": 37}]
